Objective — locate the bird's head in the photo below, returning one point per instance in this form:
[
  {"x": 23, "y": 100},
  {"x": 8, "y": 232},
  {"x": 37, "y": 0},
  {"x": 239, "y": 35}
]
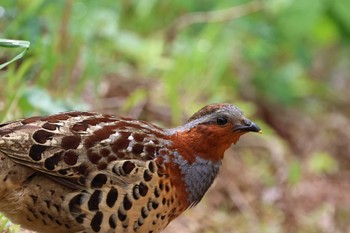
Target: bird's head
[{"x": 211, "y": 130}]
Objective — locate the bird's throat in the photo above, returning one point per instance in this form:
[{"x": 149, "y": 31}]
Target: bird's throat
[{"x": 208, "y": 145}]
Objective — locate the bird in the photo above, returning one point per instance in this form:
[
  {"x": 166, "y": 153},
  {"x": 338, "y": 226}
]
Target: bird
[{"x": 91, "y": 172}]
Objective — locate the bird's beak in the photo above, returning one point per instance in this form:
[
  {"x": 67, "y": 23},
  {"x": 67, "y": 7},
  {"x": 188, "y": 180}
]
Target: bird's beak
[{"x": 248, "y": 126}]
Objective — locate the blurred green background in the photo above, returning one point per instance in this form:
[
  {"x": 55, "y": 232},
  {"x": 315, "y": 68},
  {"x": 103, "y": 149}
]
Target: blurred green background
[{"x": 284, "y": 62}]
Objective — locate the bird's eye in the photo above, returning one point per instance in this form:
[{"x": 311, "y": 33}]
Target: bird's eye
[{"x": 221, "y": 121}]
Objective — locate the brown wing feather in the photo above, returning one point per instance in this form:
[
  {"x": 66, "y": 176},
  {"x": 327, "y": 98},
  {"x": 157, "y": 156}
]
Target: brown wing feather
[{"x": 71, "y": 145}]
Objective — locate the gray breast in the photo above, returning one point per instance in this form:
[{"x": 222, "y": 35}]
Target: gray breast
[{"x": 198, "y": 176}]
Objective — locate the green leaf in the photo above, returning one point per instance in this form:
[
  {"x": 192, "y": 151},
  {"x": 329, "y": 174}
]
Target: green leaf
[{"x": 14, "y": 44}]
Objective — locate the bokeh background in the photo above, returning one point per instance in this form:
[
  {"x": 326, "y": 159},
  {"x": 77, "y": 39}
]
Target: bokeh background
[{"x": 286, "y": 63}]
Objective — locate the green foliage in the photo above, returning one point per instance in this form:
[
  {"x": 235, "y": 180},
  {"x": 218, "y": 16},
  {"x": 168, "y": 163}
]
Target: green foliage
[
  {"x": 295, "y": 172},
  {"x": 277, "y": 44},
  {"x": 6, "y": 226},
  {"x": 322, "y": 162}
]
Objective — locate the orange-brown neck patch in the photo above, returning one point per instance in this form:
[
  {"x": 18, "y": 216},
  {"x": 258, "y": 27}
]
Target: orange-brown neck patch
[{"x": 207, "y": 141}]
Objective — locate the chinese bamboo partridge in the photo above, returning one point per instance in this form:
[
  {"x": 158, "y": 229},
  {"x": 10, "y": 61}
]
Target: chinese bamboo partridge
[{"x": 89, "y": 172}]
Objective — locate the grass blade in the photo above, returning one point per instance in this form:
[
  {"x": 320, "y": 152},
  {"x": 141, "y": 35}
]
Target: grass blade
[{"x": 14, "y": 44}]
